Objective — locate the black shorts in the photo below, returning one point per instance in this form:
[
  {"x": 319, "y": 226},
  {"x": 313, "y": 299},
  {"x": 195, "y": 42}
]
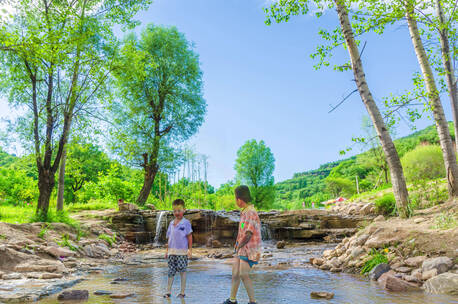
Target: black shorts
[{"x": 177, "y": 263}]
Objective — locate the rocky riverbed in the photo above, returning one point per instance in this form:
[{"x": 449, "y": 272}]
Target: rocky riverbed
[
  {"x": 420, "y": 255},
  {"x": 36, "y": 261}
]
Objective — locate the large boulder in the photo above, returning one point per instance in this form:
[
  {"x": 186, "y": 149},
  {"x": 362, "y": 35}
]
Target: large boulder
[
  {"x": 378, "y": 270},
  {"x": 98, "y": 250},
  {"x": 58, "y": 252},
  {"x": 445, "y": 283},
  {"x": 391, "y": 283},
  {"x": 442, "y": 264}
]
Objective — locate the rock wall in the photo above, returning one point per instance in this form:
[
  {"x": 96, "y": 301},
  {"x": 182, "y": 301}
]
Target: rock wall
[{"x": 140, "y": 226}]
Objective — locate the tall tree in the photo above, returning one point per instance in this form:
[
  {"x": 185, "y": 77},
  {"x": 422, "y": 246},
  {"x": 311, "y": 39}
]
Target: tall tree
[
  {"x": 255, "y": 166},
  {"x": 282, "y": 11},
  {"x": 444, "y": 27},
  {"x": 448, "y": 150},
  {"x": 55, "y": 59},
  {"x": 160, "y": 103}
]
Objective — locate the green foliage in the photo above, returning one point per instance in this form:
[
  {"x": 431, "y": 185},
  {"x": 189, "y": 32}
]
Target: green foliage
[
  {"x": 422, "y": 163},
  {"x": 109, "y": 239},
  {"x": 445, "y": 220},
  {"x": 255, "y": 165},
  {"x": 16, "y": 187},
  {"x": 116, "y": 183},
  {"x": 54, "y": 217},
  {"x": 376, "y": 258},
  {"x": 338, "y": 186},
  {"x": 65, "y": 242},
  {"x": 424, "y": 193},
  {"x": 44, "y": 230},
  {"x": 85, "y": 163},
  {"x": 386, "y": 204}
]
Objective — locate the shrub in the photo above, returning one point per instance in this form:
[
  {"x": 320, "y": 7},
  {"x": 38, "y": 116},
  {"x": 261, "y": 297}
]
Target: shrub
[
  {"x": 386, "y": 204},
  {"x": 340, "y": 186},
  {"x": 422, "y": 163},
  {"x": 376, "y": 258}
]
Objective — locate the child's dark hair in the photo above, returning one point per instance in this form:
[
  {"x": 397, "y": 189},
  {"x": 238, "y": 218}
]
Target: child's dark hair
[
  {"x": 243, "y": 192},
  {"x": 178, "y": 202}
]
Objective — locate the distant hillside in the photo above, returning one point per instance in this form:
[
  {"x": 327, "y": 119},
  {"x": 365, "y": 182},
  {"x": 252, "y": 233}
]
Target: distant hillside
[
  {"x": 6, "y": 159},
  {"x": 310, "y": 186}
]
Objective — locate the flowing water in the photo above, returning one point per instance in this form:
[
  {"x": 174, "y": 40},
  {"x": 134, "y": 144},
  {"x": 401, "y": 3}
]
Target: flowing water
[
  {"x": 162, "y": 214},
  {"x": 209, "y": 283}
]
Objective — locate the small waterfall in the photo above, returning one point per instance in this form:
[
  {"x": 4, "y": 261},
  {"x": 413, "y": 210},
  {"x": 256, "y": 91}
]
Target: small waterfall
[
  {"x": 159, "y": 227},
  {"x": 266, "y": 234}
]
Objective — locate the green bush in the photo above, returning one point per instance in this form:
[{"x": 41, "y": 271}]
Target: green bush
[
  {"x": 386, "y": 204},
  {"x": 340, "y": 186},
  {"x": 16, "y": 187},
  {"x": 423, "y": 163}
]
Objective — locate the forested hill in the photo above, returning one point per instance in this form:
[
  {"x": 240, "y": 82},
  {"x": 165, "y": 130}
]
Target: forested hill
[{"x": 370, "y": 168}]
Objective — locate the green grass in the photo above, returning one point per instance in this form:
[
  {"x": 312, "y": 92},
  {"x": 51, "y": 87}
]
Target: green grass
[
  {"x": 110, "y": 239},
  {"x": 376, "y": 258},
  {"x": 16, "y": 214},
  {"x": 92, "y": 205},
  {"x": 65, "y": 242}
]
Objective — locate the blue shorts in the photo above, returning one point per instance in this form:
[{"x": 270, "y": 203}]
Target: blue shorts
[{"x": 250, "y": 262}]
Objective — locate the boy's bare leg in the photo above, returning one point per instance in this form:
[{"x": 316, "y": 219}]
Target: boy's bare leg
[
  {"x": 183, "y": 282},
  {"x": 244, "y": 275},
  {"x": 169, "y": 285},
  {"x": 235, "y": 278}
]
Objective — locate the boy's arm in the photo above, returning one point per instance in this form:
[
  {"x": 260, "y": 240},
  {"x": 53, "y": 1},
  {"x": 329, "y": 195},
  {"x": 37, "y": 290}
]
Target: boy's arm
[
  {"x": 189, "y": 245},
  {"x": 245, "y": 240}
]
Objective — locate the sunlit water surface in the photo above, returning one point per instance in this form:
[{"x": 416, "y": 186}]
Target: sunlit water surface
[{"x": 209, "y": 282}]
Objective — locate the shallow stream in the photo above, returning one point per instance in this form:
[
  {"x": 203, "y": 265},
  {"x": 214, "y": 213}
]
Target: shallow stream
[{"x": 278, "y": 281}]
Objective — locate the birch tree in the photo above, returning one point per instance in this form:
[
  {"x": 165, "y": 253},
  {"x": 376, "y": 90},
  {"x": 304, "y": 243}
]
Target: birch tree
[{"x": 282, "y": 11}]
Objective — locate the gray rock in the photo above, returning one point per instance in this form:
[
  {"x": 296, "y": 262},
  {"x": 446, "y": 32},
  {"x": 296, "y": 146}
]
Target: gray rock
[
  {"x": 356, "y": 252},
  {"x": 322, "y": 295},
  {"x": 12, "y": 276},
  {"x": 281, "y": 244},
  {"x": 445, "y": 283},
  {"x": 442, "y": 264},
  {"x": 74, "y": 295},
  {"x": 415, "y": 261},
  {"x": 378, "y": 270},
  {"x": 428, "y": 274}
]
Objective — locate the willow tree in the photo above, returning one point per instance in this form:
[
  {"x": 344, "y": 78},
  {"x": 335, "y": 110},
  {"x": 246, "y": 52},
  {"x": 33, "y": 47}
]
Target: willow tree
[
  {"x": 282, "y": 11},
  {"x": 160, "y": 102},
  {"x": 54, "y": 60}
]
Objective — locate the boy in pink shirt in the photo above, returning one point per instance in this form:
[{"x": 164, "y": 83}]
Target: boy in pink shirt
[{"x": 247, "y": 247}]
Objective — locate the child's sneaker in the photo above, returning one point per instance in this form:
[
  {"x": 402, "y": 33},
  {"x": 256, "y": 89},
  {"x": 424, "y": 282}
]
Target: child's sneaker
[{"x": 228, "y": 301}]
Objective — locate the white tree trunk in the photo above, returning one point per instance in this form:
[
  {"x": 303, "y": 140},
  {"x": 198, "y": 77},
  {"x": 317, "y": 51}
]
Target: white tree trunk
[
  {"x": 397, "y": 175},
  {"x": 448, "y": 67},
  {"x": 448, "y": 150}
]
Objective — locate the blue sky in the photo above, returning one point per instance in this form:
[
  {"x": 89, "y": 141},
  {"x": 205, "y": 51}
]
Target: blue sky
[{"x": 259, "y": 82}]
